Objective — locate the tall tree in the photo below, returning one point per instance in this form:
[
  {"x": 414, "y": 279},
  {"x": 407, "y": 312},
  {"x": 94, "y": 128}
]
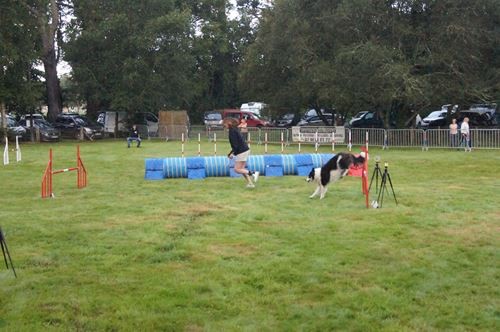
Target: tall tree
[
  {"x": 19, "y": 84},
  {"x": 47, "y": 15},
  {"x": 365, "y": 54},
  {"x": 131, "y": 56}
]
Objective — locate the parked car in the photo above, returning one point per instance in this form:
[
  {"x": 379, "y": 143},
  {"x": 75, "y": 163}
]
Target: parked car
[
  {"x": 253, "y": 120},
  {"x": 47, "y": 132},
  {"x": 480, "y": 115},
  {"x": 13, "y": 128},
  {"x": 287, "y": 120},
  {"x": 254, "y": 107},
  {"x": 434, "y": 119},
  {"x": 311, "y": 116},
  {"x": 438, "y": 118},
  {"x": 74, "y": 125},
  {"x": 315, "y": 120},
  {"x": 212, "y": 119},
  {"x": 149, "y": 120},
  {"x": 34, "y": 116},
  {"x": 366, "y": 119}
]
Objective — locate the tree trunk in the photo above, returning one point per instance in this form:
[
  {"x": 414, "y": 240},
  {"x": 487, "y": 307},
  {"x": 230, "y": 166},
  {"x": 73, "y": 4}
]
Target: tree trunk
[
  {"x": 53, "y": 87},
  {"x": 3, "y": 115},
  {"x": 93, "y": 108},
  {"x": 48, "y": 26}
]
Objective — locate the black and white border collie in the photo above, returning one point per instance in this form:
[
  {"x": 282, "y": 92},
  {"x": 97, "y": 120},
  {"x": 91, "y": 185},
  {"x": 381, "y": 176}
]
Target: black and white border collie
[{"x": 334, "y": 170}]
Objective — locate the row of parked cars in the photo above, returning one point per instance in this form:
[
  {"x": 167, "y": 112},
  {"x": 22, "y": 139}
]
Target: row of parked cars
[
  {"x": 214, "y": 119},
  {"x": 67, "y": 125},
  {"x": 480, "y": 116}
]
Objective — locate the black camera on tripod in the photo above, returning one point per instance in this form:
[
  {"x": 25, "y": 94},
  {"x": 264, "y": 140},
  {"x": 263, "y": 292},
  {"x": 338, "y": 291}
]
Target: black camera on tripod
[{"x": 384, "y": 177}]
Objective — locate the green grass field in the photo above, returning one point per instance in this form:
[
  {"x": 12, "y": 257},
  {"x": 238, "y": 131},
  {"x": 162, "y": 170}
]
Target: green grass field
[{"x": 126, "y": 254}]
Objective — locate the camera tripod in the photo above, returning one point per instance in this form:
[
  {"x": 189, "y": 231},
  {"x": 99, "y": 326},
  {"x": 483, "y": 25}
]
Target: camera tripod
[
  {"x": 383, "y": 186},
  {"x": 376, "y": 173},
  {"x": 6, "y": 254}
]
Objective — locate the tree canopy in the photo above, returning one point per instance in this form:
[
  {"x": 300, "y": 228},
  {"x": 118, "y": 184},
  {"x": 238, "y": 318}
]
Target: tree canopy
[
  {"x": 375, "y": 55},
  {"x": 351, "y": 55}
]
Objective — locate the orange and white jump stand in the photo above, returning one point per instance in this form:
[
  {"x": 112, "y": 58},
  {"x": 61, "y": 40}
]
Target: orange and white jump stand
[{"x": 81, "y": 174}]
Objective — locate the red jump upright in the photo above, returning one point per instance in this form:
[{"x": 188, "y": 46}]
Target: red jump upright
[
  {"x": 362, "y": 171},
  {"x": 81, "y": 174}
]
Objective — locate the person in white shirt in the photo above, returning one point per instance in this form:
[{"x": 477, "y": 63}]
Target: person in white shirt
[
  {"x": 465, "y": 132},
  {"x": 418, "y": 121}
]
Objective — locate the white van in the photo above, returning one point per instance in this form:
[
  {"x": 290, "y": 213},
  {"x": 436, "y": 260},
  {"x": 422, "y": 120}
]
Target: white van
[
  {"x": 254, "y": 107},
  {"x": 109, "y": 121}
]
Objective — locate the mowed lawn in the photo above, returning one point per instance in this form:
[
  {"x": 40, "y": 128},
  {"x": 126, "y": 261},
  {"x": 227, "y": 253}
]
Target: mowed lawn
[{"x": 127, "y": 254}]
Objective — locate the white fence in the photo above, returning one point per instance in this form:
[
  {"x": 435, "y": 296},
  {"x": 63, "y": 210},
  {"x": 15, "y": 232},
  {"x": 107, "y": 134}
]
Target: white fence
[{"x": 386, "y": 138}]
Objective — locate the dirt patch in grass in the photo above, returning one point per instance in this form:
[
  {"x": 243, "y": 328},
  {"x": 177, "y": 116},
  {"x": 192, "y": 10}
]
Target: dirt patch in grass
[
  {"x": 231, "y": 249},
  {"x": 473, "y": 233}
]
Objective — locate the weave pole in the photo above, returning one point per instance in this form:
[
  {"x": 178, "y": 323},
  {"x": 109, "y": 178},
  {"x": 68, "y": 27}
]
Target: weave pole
[
  {"x": 349, "y": 146},
  {"x": 366, "y": 140},
  {"x": 18, "y": 150},
  {"x": 182, "y": 145},
  {"x": 6, "y": 152},
  {"x": 81, "y": 176},
  {"x": 316, "y": 142},
  {"x": 199, "y": 144},
  {"x": 6, "y": 159},
  {"x": 364, "y": 178},
  {"x": 282, "y": 144},
  {"x": 265, "y": 142},
  {"x": 215, "y": 144},
  {"x": 333, "y": 140}
]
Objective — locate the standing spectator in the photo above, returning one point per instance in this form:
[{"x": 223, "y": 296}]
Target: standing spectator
[
  {"x": 465, "y": 131},
  {"x": 453, "y": 133},
  {"x": 243, "y": 129},
  {"x": 418, "y": 121},
  {"x": 134, "y": 136},
  {"x": 240, "y": 151}
]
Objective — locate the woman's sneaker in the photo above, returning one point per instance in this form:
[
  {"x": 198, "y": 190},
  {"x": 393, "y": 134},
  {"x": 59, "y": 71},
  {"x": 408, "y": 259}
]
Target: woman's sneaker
[
  {"x": 250, "y": 185},
  {"x": 255, "y": 176}
]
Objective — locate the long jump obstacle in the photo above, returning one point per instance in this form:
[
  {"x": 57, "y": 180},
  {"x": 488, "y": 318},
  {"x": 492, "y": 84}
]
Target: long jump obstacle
[
  {"x": 81, "y": 174},
  {"x": 268, "y": 165}
]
